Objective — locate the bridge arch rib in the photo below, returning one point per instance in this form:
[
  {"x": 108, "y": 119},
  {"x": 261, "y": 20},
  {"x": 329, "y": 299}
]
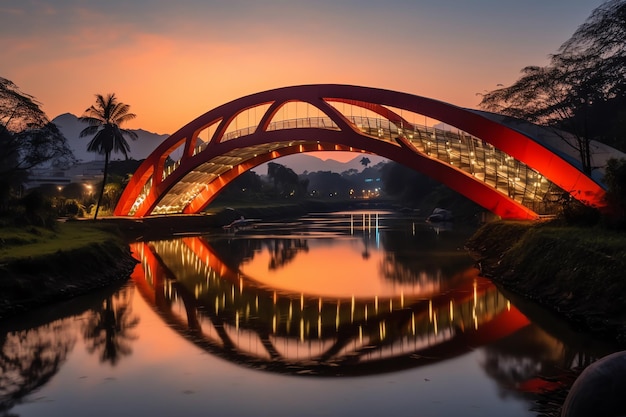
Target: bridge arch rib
[{"x": 503, "y": 170}]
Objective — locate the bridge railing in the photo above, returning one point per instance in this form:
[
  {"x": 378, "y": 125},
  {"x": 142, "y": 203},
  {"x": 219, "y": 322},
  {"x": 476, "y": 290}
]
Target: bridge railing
[{"x": 458, "y": 149}]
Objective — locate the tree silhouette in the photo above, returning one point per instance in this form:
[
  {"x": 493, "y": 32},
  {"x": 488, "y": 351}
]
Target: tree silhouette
[
  {"x": 365, "y": 161},
  {"x": 581, "y": 91},
  {"x": 104, "y": 121},
  {"x": 285, "y": 180},
  {"x": 27, "y": 138}
]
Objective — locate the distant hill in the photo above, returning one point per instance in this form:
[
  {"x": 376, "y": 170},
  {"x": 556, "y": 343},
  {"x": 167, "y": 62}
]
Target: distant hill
[
  {"x": 146, "y": 142},
  {"x": 302, "y": 162}
]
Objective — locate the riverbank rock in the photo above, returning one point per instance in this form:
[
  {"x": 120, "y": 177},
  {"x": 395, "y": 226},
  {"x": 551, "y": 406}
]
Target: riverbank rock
[{"x": 599, "y": 389}]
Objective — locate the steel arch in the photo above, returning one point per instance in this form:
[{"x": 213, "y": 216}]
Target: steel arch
[{"x": 154, "y": 183}]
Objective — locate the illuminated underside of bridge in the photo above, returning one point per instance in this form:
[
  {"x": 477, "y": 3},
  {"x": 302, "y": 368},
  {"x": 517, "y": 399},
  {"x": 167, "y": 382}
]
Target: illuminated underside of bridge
[{"x": 502, "y": 169}]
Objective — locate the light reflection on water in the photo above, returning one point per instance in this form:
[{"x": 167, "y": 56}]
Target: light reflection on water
[{"x": 389, "y": 312}]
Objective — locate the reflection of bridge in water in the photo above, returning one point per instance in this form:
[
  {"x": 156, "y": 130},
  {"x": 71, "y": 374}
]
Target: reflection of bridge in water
[{"x": 241, "y": 320}]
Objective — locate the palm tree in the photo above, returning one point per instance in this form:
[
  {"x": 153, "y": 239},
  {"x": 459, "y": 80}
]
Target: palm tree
[{"x": 104, "y": 119}]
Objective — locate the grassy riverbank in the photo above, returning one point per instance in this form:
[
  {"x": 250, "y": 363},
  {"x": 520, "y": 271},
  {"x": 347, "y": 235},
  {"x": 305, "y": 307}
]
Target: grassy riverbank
[
  {"x": 576, "y": 271},
  {"x": 41, "y": 265},
  {"x": 22, "y": 242}
]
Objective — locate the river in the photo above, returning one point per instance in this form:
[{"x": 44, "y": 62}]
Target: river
[{"x": 345, "y": 314}]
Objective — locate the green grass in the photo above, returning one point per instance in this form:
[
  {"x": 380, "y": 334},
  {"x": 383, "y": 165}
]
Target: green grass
[
  {"x": 31, "y": 241},
  {"x": 544, "y": 249}
]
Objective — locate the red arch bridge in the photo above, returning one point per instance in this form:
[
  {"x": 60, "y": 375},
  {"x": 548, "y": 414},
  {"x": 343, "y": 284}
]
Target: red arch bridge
[{"x": 510, "y": 167}]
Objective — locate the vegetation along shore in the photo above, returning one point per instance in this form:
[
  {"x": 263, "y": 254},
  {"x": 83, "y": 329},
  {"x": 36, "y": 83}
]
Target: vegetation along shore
[
  {"x": 576, "y": 271},
  {"x": 43, "y": 265}
]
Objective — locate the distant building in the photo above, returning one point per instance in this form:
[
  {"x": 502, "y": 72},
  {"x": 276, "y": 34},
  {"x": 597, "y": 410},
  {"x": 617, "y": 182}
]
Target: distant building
[{"x": 87, "y": 173}]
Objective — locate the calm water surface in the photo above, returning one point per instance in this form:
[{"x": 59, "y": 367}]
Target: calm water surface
[{"x": 347, "y": 314}]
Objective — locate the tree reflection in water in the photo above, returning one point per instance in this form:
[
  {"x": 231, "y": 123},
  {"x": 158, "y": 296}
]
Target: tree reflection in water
[
  {"x": 283, "y": 251},
  {"x": 108, "y": 328},
  {"x": 234, "y": 252},
  {"x": 537, "y": 366},
  {"x": 524, "y": 355},
  {"x": 29, "y": 358},
  {"x": 419, "y": 257}
]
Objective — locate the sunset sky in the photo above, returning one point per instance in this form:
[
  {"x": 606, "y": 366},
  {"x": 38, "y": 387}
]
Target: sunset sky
[{"x": 173, "y": 61}]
